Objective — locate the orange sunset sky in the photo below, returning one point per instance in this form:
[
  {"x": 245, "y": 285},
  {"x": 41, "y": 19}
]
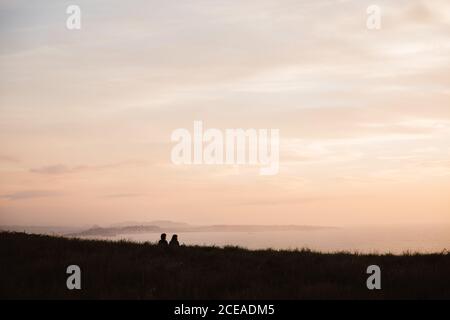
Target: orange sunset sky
[{"x": 86, "y": 115}]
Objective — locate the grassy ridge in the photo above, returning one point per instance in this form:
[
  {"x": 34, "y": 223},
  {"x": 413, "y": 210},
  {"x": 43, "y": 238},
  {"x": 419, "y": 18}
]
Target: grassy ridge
[{"x": 34, "y": 266}]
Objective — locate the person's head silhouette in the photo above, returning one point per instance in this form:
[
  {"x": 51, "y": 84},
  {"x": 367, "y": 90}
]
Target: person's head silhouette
[
  {"x": 174, "y": 240},
  {"x": 163, "y": 241}
]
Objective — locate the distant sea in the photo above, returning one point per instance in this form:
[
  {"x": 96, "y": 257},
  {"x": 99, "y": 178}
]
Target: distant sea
[{"x": 423, "y": 239}]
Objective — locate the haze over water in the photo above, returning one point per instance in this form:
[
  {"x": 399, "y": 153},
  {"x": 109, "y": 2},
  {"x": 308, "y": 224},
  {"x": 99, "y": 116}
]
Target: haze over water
[{"x": 362, "y": 239}]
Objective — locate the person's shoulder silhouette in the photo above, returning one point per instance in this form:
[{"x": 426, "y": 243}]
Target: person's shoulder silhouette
[
  {"x": 174, "y": 241},
  {"x": 163, "y": 241}
]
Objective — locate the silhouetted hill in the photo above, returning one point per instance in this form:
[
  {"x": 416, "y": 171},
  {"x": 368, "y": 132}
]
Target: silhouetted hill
[
  {"x": 98, "y": 231},
  {"x": 34, "y": 266},
  {"x": 157, "y": 223},
  {"x": 174, "y": 227}
]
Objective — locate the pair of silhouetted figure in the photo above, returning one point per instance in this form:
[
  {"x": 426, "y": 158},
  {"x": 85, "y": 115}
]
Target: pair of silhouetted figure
[{"x": 173, "y": 242}]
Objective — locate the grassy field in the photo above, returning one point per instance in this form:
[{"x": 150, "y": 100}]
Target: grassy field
[{"x": 34, "y": 266}]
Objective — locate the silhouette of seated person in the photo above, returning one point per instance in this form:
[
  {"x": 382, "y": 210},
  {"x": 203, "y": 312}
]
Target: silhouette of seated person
[
  {"x": 174, "y": 241},
  {"x": 163, "y": 241}
]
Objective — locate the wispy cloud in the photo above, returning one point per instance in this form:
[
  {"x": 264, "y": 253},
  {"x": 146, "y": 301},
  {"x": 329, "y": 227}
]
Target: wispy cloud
[
  {"x": 124, "y": 195},
  {"x": 276, "y": 201},
  {"x": 8, "y": 158},
  {"x": 30, "y": 194},
  {"x": 59, "y": 169},
  {"x": 55, "y": 169}
]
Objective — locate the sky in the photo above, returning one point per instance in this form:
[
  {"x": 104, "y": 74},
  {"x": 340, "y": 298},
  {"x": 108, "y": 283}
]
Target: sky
[{"x": 86, "y": 115}]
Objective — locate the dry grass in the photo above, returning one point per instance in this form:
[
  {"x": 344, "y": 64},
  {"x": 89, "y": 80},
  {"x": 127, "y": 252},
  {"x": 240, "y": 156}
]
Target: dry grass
[{"x": 34, "y": 266}]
